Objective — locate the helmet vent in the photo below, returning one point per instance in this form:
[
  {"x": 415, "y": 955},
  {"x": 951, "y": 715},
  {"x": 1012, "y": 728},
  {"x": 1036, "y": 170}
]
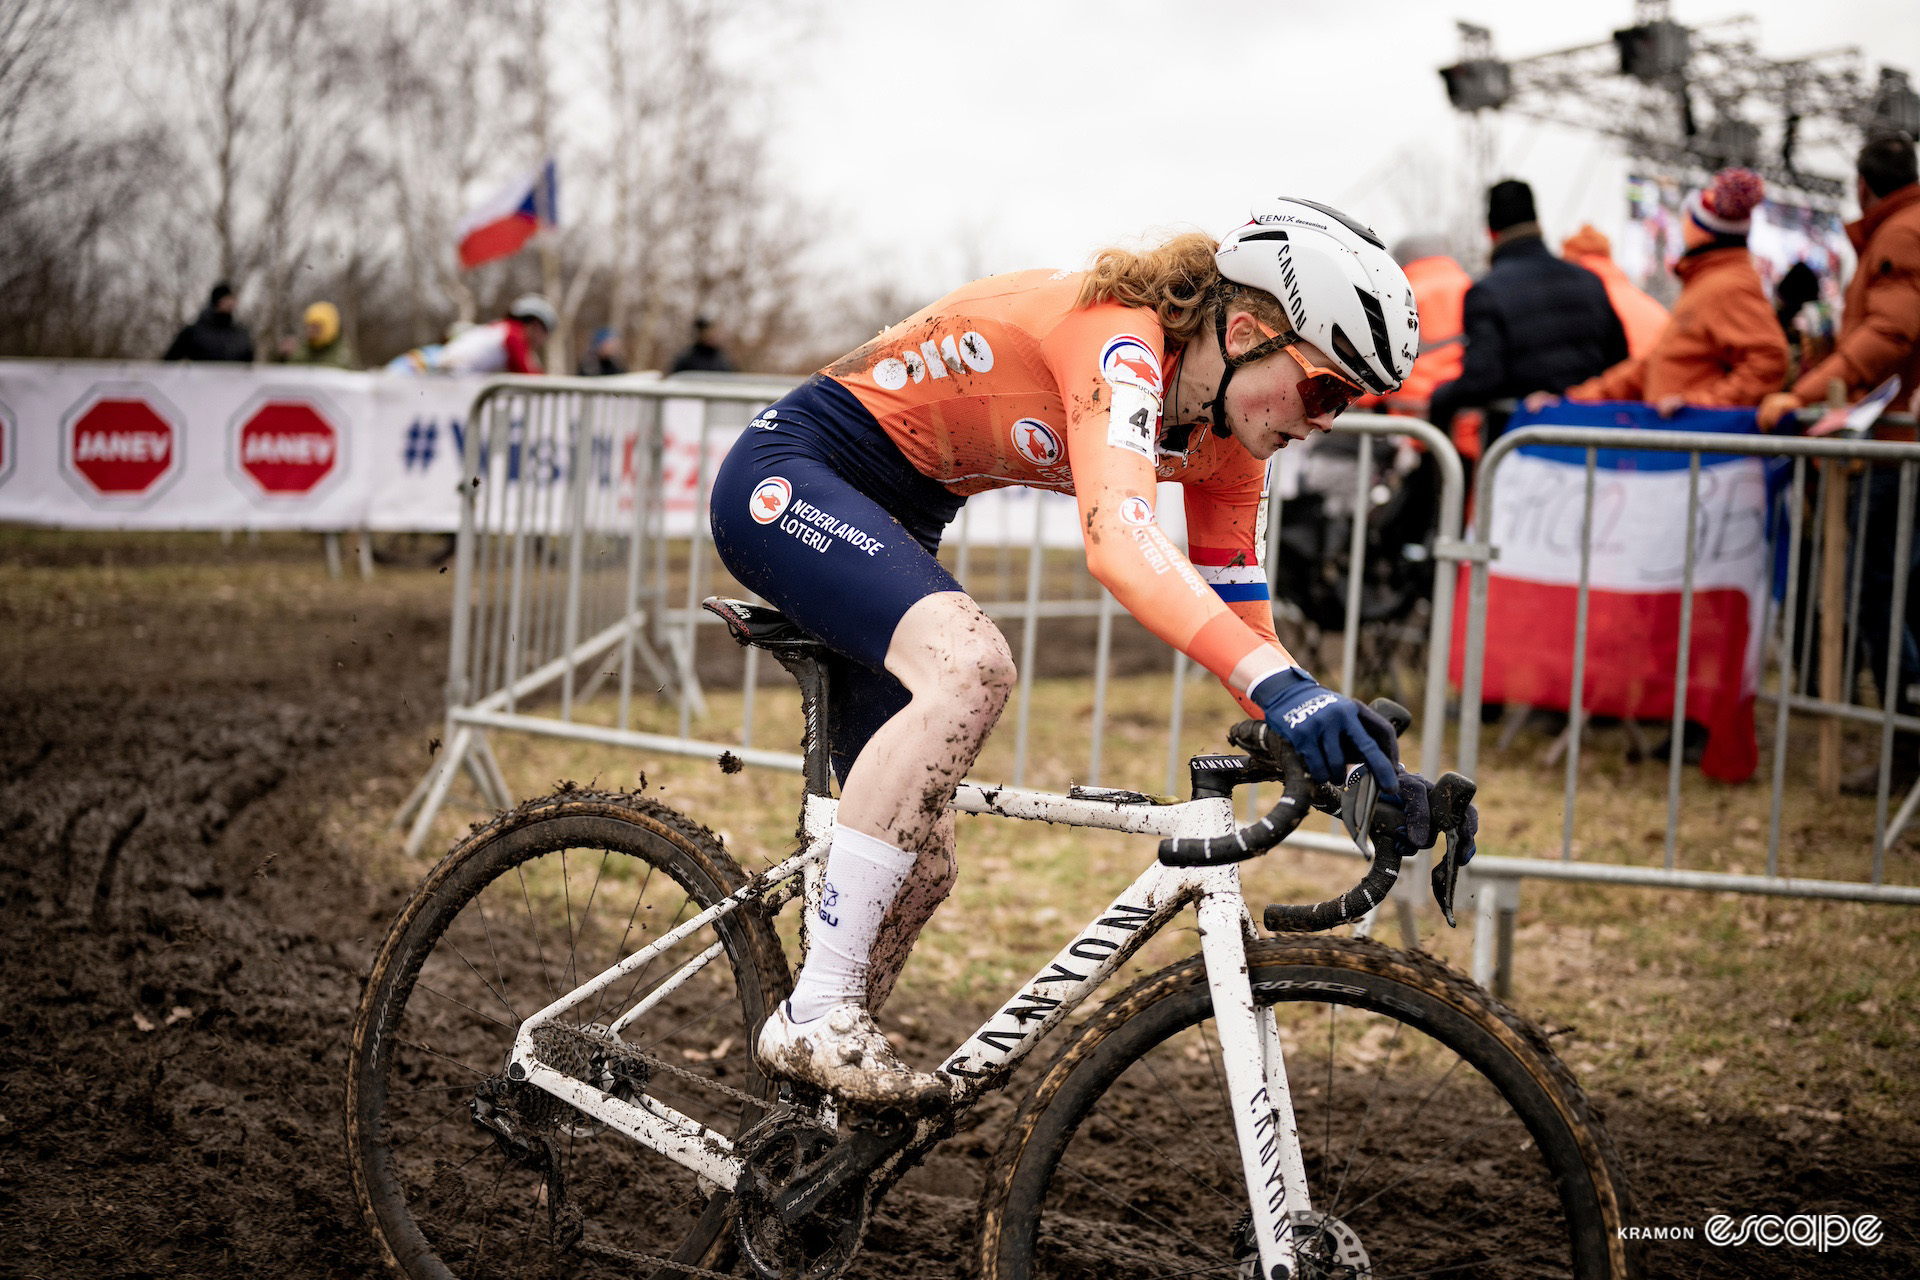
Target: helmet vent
[
  {"x": 1376, "y": 321},
  {"x": 1360, "y": 229},
  {"x": 1349, "y": 355}
]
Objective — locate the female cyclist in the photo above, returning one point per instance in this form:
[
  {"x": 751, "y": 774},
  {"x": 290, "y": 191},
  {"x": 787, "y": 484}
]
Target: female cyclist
[{"x": 1192, "y": 362}]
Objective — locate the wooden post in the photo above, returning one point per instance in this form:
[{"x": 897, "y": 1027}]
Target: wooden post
[{"x": 1833, "y": 605}]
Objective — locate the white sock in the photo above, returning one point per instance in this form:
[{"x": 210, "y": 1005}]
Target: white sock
[{"x": 863, "y": 877}]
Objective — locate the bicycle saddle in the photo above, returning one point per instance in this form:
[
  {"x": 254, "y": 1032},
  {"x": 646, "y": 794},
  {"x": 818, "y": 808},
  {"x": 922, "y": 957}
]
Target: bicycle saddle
[{"x": 755, "y": 624}]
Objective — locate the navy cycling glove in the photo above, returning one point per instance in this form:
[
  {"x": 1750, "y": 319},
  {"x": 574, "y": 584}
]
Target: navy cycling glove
[{"x": 1328, "y": 729}]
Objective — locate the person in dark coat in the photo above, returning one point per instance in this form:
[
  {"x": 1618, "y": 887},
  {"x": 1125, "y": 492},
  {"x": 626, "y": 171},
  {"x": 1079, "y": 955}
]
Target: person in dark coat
[
  {"x": 705, "y": 355},
  {"x": 1533, "y": 322},
  {"x": 215, "y": 335},
  {"x": 603, "y": 358}
]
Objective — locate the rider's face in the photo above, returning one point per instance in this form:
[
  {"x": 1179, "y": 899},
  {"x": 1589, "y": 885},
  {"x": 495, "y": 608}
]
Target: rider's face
[{"x": 1263, "y": 400}]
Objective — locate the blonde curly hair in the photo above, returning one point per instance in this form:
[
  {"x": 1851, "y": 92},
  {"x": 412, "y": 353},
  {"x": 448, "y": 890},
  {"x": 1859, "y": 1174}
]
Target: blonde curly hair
[{"x": 1178, "y": 281}]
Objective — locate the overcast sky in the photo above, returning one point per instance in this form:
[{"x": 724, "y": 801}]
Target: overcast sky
[{"x": 951, "y": 138}]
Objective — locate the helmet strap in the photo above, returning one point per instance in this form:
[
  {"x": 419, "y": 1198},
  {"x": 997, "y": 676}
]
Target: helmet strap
[{"x": 1229, "y": 365}]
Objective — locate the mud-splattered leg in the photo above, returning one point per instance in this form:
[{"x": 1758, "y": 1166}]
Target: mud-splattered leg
[
  {"x": 956, "y": 664},
  {"x": 927, "y": 886}
]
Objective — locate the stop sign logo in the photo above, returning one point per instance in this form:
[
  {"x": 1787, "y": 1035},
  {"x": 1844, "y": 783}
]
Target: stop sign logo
[
  {"x": 122, "y": 447},
  {"x": 287, "y": 447}
]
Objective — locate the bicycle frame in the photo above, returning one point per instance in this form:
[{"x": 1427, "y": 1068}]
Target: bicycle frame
[{"x": 1250, "y": 1048}]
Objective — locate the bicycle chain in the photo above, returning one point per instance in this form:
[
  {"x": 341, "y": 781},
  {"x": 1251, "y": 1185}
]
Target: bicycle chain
[
  {"x": 621, "y": 1049},
  {"x": 651, "y": 1259}
]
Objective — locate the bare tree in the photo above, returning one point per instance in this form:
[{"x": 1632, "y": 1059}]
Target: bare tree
[{"x": 308, "y": 148}]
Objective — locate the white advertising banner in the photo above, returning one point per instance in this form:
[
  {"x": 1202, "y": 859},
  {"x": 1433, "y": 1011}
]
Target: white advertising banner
[
  {"x": 142, "y": 445},
  {"x": 86, "y": 444}
]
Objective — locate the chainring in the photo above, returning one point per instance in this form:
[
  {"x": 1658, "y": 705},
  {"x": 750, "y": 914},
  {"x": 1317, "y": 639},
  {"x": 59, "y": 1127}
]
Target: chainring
[{"x": 820, "y": 1246}]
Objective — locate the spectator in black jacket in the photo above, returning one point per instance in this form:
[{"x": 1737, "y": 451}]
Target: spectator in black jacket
[
  {"x": 1533, "y": 322},
  {"x": 216, "y": 335},
  {"x": 705, "y": 355}
]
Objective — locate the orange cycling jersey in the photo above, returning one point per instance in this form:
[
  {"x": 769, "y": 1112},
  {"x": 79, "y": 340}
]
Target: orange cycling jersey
[{"x": 1007, "y": 382}]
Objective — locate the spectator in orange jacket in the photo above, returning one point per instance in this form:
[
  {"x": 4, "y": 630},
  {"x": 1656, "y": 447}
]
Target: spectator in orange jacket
[
  {"x": 1879, "y": 337},
  {"x": 1880, "y": 320},
  {"x": 1722, "y": 346},
  {"x": 1439, "y": 294},
  {"x": 1641, "y": 315}
]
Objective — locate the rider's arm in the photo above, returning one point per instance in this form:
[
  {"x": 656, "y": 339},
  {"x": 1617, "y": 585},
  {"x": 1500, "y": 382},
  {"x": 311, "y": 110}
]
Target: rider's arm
[
  {"x": 1625, "y": 381},
  {"x": 1225, "y": 540},
  {"x": 1110, "y": 446}
]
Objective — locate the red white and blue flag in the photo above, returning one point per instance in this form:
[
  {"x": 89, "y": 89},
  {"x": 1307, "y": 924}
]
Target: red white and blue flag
[
  {"x": 503, "y": 223},
  {"x": 1636, "y": 571}
]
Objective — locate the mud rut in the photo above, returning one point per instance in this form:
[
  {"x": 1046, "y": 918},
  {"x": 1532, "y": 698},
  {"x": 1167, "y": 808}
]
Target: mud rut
[{"x": 165, "y": 866}]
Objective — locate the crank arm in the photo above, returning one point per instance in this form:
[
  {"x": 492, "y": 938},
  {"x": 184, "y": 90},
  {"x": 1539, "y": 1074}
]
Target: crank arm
[{"x": 869, "y": 1147}]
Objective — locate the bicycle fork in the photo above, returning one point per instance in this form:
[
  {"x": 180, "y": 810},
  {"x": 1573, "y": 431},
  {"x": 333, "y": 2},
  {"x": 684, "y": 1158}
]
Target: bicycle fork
[{"x": 1269, "y": 1138}]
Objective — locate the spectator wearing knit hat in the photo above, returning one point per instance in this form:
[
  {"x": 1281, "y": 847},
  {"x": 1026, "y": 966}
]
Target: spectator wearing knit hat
[
  {"x": 1641, "y": 314},
  {"x": 1722, "y": 346},
  {"x": 1533, "y": 322},
  {"x": 1879, "y": 338},
  {"x": 1880, "y": 318}
]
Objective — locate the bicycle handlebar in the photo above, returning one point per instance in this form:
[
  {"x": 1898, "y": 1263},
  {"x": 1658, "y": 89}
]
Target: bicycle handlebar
[
  {"x": 1250, "y": 841},
  {"x": 1386, "y": 823}
]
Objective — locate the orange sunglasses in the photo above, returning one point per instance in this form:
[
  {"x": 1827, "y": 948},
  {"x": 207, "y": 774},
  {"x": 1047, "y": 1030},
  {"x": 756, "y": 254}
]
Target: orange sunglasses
[{"x": 1323, "y": 392}]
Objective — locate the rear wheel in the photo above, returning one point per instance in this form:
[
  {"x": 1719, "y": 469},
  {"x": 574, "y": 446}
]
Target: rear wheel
[
  {"x": 1441, "y": 1135},
  {"x": 464, "y": 1172}
]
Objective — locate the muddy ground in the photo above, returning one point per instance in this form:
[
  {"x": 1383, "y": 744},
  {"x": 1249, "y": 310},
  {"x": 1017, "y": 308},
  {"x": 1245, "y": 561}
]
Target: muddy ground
[{"x": 185, "y": 939}]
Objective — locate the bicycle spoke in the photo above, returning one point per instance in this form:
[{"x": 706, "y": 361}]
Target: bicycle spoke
[
  {"x": 403, "y": 1143},
  {"x": 486, "y": 930},
  {"x": 1427, "y": 1163},
  {"x": 1452, "y": 1268},
  {"x": 1185, "y": 1239},
  {"x": 1229, "y": 1167},
  {"x": 411, "y": 1044},
  {"x": 1394, "y": 1138},
  {"x": 570, "y": 972},
  {"x": 483, "y": 978},
  {"x": 1117, "y": 1123},
  {"x": 620, "y": 949},
  {"x": 485, "y": 1017},
  {"x": 1366, "y": 1117},
  {"x": 1326, "y": 1149},
  {"x": 533, "y": 926}
]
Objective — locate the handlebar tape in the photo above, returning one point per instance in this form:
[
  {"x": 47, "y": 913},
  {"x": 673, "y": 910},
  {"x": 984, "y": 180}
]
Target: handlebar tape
[
  {"x": 1250, "y": 841},
  {"x": 1351, "y": 905}
]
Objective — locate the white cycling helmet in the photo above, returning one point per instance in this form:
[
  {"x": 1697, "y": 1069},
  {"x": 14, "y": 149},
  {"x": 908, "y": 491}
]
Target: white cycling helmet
[
  {"x": 1343, "y": 290},
  {"x": 531, "y": 306}
]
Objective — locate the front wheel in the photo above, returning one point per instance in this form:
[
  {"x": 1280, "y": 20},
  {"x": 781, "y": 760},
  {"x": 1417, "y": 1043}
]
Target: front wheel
[
  {"x": 1441, "y": 1135},
  {"x": 464, "y": 1170}
]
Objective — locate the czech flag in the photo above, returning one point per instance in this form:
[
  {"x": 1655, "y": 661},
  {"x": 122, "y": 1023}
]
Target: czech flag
[{"x": 502, "y": 224}]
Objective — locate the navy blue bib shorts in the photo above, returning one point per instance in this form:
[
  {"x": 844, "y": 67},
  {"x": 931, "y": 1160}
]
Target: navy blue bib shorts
[{"x": 817, "y": 511}]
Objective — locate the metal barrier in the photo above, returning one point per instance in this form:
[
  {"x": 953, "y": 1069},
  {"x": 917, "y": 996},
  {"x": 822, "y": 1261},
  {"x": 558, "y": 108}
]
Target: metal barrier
[
  {"x": 563, "y": 561},
  {"x": 1838, "y": 599}
]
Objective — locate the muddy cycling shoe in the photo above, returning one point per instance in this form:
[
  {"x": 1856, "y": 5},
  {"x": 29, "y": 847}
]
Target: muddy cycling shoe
[{"x": 843, "y": 1053}]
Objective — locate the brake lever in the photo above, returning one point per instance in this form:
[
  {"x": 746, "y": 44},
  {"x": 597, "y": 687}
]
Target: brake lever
[
  {"x": 1451, "y": 797},
  {"x": 1446, "y": 878}
]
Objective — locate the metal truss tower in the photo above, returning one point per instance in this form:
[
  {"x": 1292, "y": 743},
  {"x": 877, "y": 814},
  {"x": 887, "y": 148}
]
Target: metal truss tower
[{"x": 1685, "y": 101}]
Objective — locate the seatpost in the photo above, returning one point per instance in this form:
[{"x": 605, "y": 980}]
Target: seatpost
[{"x": 809, "y": 671}]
